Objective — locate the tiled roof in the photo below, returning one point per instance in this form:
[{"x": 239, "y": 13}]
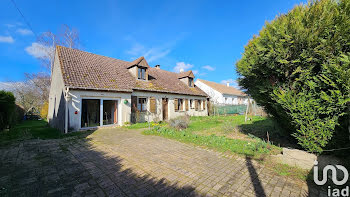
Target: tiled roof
[
  {"x": 185, "y": 74},
  {"x": 83, "y": 70},
  {"x": 224, "y": 89}
]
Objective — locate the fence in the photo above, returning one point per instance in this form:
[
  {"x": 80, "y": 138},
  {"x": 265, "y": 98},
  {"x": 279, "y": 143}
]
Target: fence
[{"x": 226, "y": 109}]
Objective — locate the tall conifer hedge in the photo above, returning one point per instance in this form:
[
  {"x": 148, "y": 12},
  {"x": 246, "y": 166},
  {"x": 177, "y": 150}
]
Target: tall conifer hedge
[{"x": 298, "y": 68}]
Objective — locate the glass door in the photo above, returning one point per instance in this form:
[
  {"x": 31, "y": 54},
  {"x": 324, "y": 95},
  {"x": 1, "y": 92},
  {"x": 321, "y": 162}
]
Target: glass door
[{"x": 110, "y": 112}]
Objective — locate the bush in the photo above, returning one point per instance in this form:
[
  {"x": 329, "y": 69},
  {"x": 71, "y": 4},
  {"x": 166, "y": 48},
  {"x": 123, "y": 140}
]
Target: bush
[
  {"x": 180, "y": 122},
  {"x": 8, "y": 107},
  {"x": 229, "y": 127},
  {"x": 298, "y": 69},
  {"x": 44, "y": 110}
]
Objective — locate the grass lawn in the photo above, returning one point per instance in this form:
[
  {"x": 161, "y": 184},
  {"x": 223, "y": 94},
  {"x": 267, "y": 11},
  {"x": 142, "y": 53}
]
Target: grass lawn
[
  {"x": 32, "y": 129},
  {"x": 143, "y": 125},
  {"x": 221, "y": 133},
  {"x": 233, "y": 134}
]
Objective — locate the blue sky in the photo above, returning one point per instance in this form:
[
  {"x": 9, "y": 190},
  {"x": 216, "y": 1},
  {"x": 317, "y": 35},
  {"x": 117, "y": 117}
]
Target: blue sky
[{"x": 207, "y": 37}]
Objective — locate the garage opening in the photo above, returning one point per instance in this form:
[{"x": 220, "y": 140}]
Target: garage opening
[
  {"x": 110, "y": 112},
  {"x": 90, "y": 116}
]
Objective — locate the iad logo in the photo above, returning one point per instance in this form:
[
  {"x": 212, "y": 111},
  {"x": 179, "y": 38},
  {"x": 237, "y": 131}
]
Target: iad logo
[{"x": 333, "y": 170}]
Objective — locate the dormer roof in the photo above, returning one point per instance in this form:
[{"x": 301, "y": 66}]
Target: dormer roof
[
  {"x": 186, "y": 74},
  {"x": 141, "y": 61}
]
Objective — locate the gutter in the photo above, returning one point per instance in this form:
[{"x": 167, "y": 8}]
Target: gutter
[{"x": 67, "y": 98}]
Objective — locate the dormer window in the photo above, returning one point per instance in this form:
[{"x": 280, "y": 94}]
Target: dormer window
[
  {"x": 190, "y": 82},
  {"x": 141, "y": 73}
]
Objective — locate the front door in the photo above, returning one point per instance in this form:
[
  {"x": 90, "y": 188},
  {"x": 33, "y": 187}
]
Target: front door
[{"x": 165, "y": 108}]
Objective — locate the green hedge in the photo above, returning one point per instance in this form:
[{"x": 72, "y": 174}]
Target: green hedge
[
  {"x": 298, "y": 68},
  {"x": 7, "y": 109}
]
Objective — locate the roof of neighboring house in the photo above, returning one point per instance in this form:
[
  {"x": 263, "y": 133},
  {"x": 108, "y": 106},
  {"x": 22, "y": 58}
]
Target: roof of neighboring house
[
  {"x": 84, "y": 70},
  {"x": 224, "y": 89}
]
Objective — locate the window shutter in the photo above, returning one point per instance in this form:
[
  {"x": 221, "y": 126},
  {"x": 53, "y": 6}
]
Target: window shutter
[
  {"x": 153, "y": 105},
  {"x": 186, "y": 104},
  {"x": 176, "y": 105},
  {"x": 204, "y": 104},
  {"x": 133, "y": 104},
  {"x": 196, "y": 104}
]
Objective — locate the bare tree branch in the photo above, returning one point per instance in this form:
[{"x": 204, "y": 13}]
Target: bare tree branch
[{"x": 68, "y": 37}]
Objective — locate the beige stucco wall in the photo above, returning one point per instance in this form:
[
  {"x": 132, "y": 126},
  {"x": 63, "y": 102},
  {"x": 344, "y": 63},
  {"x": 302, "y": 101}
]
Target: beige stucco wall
[
  {"x": 171, "y": 110},
  {"x": 75, "y": 102},
  {"x": 56, "y": 110}
]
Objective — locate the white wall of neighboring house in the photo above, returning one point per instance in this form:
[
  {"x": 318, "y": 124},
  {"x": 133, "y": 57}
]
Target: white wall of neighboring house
[
  {"x": 214, "y": 95},
  {"x": 219, "y": 98}
]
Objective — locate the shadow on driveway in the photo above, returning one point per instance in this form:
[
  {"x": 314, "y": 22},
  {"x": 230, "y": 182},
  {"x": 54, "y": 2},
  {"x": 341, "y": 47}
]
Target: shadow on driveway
[{"x": 73, "y": 167}]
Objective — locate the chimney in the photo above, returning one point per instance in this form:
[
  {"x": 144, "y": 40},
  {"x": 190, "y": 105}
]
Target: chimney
[
  {"x": 227, "y": 84},
  {"x": 157, "y": 66},
  {"x": 181, "y": 70}
]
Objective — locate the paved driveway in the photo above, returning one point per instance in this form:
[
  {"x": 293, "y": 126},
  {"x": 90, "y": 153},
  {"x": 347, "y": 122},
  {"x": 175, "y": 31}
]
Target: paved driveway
[{"x": 117, "y": 162}]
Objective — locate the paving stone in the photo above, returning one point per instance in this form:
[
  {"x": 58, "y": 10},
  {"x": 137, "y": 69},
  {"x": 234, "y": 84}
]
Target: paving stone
[{"x": 118, "y": 162}]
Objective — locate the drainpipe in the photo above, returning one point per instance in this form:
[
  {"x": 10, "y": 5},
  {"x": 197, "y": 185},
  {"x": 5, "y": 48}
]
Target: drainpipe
[{"x": 67, "y": 98}]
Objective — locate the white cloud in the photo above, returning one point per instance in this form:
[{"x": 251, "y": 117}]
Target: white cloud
[
  {"x": 157, "y": 54},
  {"x": 7, "y": 39},
  {"x": 232, "y": 83},
  {"x": 137, "y": 49},
  {"x": 182, "y": 65},
  {"x": 9, "y": 86},
  {"x": 195, "y": 72},
  {"x": 24, "y": 32},
  {"x": 151, "y": 54},
  {"x": 40, "y": 51},
  {"x": 10, "y": 25},
  {"x": 207, "y": 67}
]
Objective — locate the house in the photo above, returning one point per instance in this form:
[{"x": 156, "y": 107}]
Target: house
[
  {"x": 222, "y": 94},
  {"x": 89, "y": 90}
]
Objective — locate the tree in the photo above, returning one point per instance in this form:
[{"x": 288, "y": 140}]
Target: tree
[
  {"x": 298, "y": 69},
  {"x": 66, "y": 36}
]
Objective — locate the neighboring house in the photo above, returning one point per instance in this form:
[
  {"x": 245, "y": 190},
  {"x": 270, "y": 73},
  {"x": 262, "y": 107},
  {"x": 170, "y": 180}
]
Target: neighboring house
[
  {"x": 222, "y": 94},
  {"x": 89, "y": 90}
]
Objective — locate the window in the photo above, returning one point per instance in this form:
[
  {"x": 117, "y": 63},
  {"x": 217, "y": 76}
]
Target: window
[
  {"x": 191, "y": 103},
  {"x": 190, "y": 81},
  {"x": 141, "y": 104},
  {"x": 199, "y": 104},
  {"x": 180, "y": 104},
  {"x": 141, "y": 73}
]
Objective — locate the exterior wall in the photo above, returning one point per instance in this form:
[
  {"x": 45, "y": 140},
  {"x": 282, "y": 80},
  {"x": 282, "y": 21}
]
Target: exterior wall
[
  {"x": 219, "y": 98},
  {"x": 75, "y": 103},
  {"x": 215, "y": 96},
  {"x": 234, "y": 100},
  {"x": 184, "y": 80},
  {"x": 133, "y": 71},
  {"x": 124, "y": 110},
  {"x": 171, "y": 110},
  {"x": 56, "y": 112}
]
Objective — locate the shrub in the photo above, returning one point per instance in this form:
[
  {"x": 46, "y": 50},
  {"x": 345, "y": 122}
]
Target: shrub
[
  {"x": 7, "y": 109},
  {"x": 44, "y": 110},
  {"x": 298, "y": 69},
  {"x": 180, "y": 122},
  {"x": 229, "y": 127}
]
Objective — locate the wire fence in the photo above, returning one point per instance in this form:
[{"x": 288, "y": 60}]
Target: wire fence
[{"x": 227, "y": 109}]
